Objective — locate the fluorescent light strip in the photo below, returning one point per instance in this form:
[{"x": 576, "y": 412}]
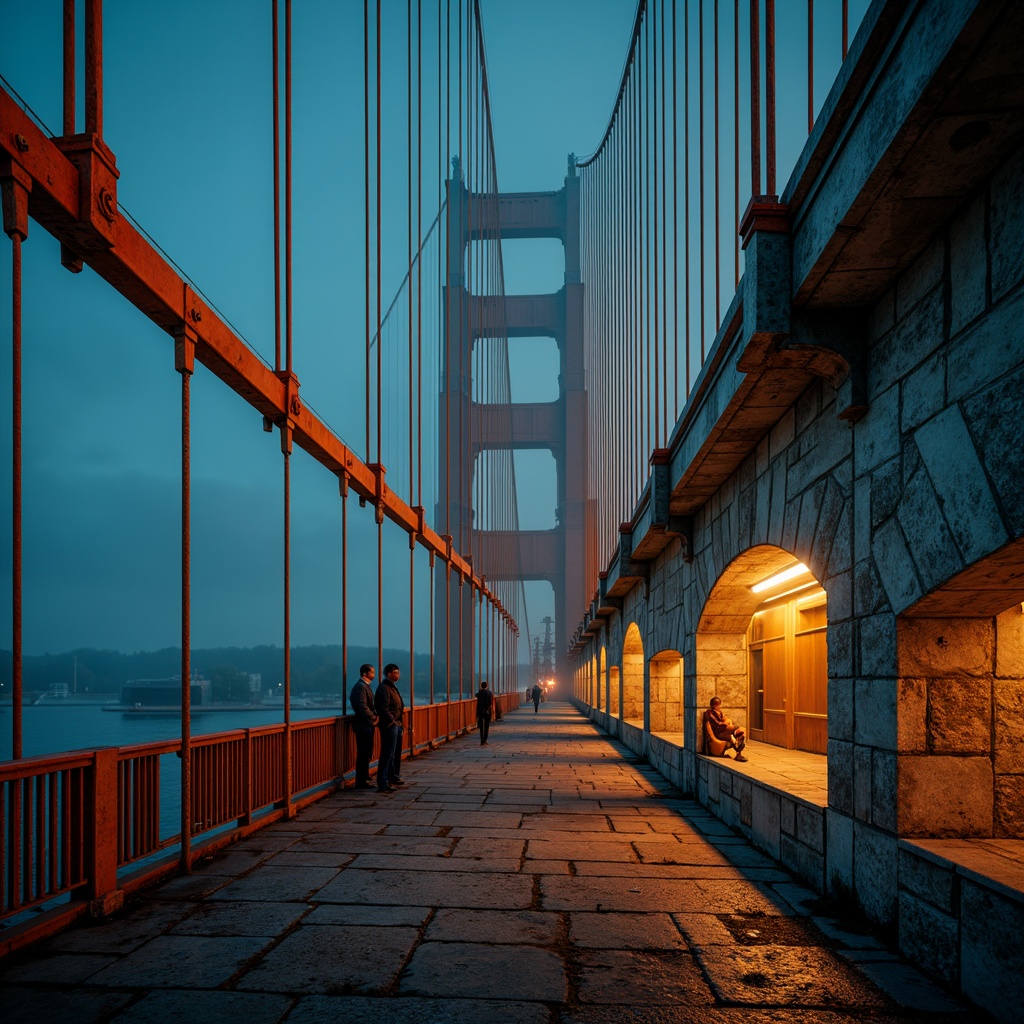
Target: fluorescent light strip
[{"x": 780, "y": 577}]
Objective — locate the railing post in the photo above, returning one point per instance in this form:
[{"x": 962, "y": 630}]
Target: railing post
[{"x": 101, "y": 841}]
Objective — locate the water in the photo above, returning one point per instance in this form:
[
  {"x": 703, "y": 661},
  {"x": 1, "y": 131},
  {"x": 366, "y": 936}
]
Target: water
[{"x": 53, "y": 729}]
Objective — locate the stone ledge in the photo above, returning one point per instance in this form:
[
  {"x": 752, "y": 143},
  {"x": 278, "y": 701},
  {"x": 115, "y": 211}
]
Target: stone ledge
[{"x": 996, "y": 864}]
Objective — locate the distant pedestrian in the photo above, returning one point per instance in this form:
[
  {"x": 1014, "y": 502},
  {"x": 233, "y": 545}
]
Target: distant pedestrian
[
  {"x": 390, "y": 709},
  {"x": 536, "y": 693},
  {"x": 484, "y": 710},
  {"x": 364, "y": 718}
]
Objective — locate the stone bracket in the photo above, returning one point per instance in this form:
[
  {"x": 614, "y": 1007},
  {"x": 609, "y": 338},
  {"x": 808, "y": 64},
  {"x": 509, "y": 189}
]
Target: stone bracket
[{"x": 661, "y": 497}]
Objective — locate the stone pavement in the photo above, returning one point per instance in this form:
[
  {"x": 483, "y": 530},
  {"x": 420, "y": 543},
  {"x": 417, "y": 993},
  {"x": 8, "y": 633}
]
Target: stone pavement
[{"x": 546, "y": 878}]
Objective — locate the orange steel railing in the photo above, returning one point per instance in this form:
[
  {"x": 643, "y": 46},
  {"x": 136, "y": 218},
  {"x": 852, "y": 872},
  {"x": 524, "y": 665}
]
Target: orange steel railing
[{"x": 85, "y": 826}]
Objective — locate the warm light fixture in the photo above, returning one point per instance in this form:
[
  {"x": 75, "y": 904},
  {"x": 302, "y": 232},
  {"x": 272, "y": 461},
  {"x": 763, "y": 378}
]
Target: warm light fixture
[{"x": 780, "y": 577}]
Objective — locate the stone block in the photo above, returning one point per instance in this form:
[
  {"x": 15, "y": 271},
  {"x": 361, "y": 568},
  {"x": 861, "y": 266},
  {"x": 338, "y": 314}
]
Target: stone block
[
  {"x": 875, "y": 713},
  {"x": 912, "y": 715},
  {"x": 895, "y": 566},
  {"x": 929, "y": 881},
  {"x": 723, "y": 663},
  {"x": 841, "y": 649},
  {"x": 924, "y": 393},
  {"x": 883, "y": 789},
  {"x": 875, "y": 873},
  {"x": 929, "y": 937},
  {"x": 924, "y": 274},
  {"x": 783, "y": 434},
  {"x": 744, "y": 790},
  {"x": 1009, "y": 807},
  {"x": 787, "y": 817},
  {"x": 968, "y": 266},
  {"x": 840, "y": 707},
  {"x": 946, "y": 647},
  {"x": 1009, "y": 726},
  {"x": 991, "y": 969},
  {"x": 877, "y": 647},
  {"x": 840, "y": 596},
  {"x": 914, "y": 338},
  {"x": 886, "y": 490},
  {"x": 961, "y": 485},
  {"x": 810, "y": 827},
  {"x": 993, "y": 418},
  {"x": 807, "y": 864},
  {"x": 869, "y": 596},
  {"x": 862, "y": 794},
  {"x": 945, "y": 797},
  {"x": 960, "y": 716},
  {"x": 839, "y": 853},
  {"x": 1006, "y": 225},
  {"x": 765, "y": 820},
  {"x": 876, "y": 438},
  {"x": 987, "y": 350},
  {"x": 928, "y": 538},
  {"x": 840, "y": 776},
  {"x": 862, "y": 490},
  {"x": 1010, "y": 643}
]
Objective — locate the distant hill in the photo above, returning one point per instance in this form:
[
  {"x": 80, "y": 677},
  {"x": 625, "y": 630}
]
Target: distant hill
[{"x": 315, "y": 669}]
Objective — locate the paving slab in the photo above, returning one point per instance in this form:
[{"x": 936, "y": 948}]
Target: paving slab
[
  {"x": 486, "y": 971},
  {"x": 414, "y": 1010},
  {"x": 181, "y": 961},
  {"x": 188, "y": 1006},
  {"x": 529, "y": 927},
  {"x": 335, "y": 959},
  {"x": 241, "y": 918},
  {"x": 625, "y": 931},
  {"x": 30, "y": 1004},
  {"x": 638, "y": 978}
]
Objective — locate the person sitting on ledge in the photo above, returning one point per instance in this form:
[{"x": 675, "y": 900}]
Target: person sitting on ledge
[{"x": 720, "y": 734}]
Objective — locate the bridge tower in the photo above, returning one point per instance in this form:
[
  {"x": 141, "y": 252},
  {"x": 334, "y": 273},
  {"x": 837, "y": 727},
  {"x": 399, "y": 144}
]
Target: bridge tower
[{"x": 555, "y": 555}]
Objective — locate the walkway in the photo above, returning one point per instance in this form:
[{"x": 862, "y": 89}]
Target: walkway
[{"x": 544, "y": 878}]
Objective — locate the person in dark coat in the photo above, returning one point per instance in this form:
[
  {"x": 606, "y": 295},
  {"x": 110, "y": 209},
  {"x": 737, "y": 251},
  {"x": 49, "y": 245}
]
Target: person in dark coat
[
  {"x": 364, "y": 720},
  {"x": 484, "y": 710},
  {"x": 390, "y": 707},
  {"x": 536, "y": 693}
]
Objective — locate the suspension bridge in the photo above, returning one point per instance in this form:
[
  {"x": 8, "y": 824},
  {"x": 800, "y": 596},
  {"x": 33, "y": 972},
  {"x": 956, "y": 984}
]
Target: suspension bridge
[{"x": 786, "y": 438}]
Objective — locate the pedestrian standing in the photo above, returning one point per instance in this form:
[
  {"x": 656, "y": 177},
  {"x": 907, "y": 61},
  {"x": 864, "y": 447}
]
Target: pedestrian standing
[
  {"x": 536, "y": 693},
  {"x": 484, "y": 710},
  {"x": 390, "y": 710},
  {"x": 364, "y": 718}
]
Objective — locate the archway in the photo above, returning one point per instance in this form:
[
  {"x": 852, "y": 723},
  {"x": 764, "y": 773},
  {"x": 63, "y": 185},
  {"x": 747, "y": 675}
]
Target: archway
[
  {"x": 595, "y": 686},
  {"x": 633, "y": 677},
  {"x": 762, "y": 648},
  {"x": 614, "y": 685},
  {"x": 602, "y": 681},
  {"x": 666, "y": 702}
]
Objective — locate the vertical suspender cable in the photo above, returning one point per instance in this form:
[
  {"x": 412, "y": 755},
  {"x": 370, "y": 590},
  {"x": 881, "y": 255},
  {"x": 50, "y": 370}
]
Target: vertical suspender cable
[
  {"x": 275, "y": 74},
  {"x": 185, "y": 862},
  {"x": 366, "y": 214},
  {"x": 769, "y": 94},
  {"x": 736, "y": 136},
  {"x": 700, "y": 187},
  {"x": 69, "y": 67},
  {"x": 286, "y": 429},
  {"x": 755, "y": 98},
  {"x": 344, "y": 592},
  {"x": 17, "y": 237},
  {"x": 675, "y": 221},
  {"x": 810, "y": 66},
  {"x": 718, "y": 191}
]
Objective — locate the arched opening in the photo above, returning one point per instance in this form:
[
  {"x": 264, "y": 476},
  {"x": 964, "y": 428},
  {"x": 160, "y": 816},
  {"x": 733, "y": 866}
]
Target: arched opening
[
  {"x": 633, "y": 677},
  {"x": 614, "y": 683},
  {"x": 602, "y": 681},
  {"x": 666, "y": 702},
  {"x": 595, "y": 690},
  {"x": 762, "y": 648}
]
